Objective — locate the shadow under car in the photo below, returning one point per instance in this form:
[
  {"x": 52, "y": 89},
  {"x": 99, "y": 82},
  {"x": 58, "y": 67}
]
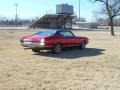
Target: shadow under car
[{"x": 72, "y": 54}]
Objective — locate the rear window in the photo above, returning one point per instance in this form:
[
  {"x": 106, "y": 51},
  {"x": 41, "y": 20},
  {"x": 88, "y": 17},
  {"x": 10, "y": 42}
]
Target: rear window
[{"x": 45, "y": 33}]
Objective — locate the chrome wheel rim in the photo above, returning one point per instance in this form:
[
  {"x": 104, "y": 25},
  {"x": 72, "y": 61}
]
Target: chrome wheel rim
[{"x": 58, "y": 48}]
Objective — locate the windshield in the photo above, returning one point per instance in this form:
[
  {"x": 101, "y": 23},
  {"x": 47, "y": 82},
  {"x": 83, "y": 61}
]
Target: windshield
[{"x": 45, "y": 33}]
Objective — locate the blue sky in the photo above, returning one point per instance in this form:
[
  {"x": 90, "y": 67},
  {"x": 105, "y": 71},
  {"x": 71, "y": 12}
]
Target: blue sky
[{"x": 37, "y": 8}]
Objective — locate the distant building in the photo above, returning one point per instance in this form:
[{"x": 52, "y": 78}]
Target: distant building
[{"x": 85, "y": 25}]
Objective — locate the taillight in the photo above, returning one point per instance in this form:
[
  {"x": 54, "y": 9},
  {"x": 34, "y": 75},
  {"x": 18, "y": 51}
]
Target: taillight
[{"x": 42, "y": 42}]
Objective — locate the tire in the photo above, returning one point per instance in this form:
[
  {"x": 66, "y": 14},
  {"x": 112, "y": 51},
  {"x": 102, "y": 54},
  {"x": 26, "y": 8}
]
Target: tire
[
  {"x": 57, "y": 48},
  {"x": 36, "y": 50},
  {"x": 82, "y": 45}
]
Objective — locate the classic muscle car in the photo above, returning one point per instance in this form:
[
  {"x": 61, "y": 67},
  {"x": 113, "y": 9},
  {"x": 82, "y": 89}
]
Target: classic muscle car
[{"x": 54, "y": 40}]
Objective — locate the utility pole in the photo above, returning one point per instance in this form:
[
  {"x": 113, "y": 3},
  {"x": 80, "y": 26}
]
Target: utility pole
[
  {"x": 79, "y": 14},
  {"x": 16, "y": 16},
  {"x": 79, "y": 10}
]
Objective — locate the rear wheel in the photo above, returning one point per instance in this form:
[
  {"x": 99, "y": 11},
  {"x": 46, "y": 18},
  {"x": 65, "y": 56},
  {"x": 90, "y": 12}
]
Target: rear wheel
[
  {"x": 36, "y": 50},
  {"x": 57, "y": 48},
  {"x": 82, "y": 45}
]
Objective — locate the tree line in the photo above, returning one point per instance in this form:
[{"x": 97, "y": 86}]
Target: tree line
[{"x": 4, "y": 21}]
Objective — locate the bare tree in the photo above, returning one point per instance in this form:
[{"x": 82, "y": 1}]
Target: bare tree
[{"x": 112, "y": 10}]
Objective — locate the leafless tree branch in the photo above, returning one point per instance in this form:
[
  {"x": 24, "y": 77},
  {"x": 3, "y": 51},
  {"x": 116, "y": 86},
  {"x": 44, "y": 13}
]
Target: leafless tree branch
[{"x": 112, "y": 9}]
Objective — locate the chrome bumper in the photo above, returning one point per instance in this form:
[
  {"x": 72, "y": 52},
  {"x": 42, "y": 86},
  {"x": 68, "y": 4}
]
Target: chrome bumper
[{"x": 32, "y": 45}]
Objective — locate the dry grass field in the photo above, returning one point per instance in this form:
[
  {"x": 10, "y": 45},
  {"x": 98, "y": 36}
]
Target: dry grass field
[{"x": 95, "y": 68}]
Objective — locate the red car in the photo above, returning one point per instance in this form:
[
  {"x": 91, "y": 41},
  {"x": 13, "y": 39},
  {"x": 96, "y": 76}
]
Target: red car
[{"x": 54, "y": 40}]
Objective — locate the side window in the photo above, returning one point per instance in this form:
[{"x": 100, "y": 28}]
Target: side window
[
  {"x": 66, "y": 34},
  {"x": 62, "y": 33}
]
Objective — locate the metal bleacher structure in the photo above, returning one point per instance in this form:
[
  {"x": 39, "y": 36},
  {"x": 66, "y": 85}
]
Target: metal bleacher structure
[{"x": 54, "y": 21}]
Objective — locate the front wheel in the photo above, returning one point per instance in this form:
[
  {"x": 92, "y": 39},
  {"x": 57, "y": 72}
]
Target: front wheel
[
  {"x": 57, "y": 48},
  {"x": 82, "y": 45}
]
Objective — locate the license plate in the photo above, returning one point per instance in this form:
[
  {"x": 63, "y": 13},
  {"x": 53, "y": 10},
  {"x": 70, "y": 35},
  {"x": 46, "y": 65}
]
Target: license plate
[
  {"x": 32, "y": 46},
  {"x": 27, "y": 42}
]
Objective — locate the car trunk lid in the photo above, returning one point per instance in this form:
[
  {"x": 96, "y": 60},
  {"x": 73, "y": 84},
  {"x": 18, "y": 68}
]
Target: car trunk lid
[{"x": 33, "y": 38}]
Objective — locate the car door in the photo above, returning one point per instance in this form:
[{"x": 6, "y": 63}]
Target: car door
[{"x": 68, "y": 38}]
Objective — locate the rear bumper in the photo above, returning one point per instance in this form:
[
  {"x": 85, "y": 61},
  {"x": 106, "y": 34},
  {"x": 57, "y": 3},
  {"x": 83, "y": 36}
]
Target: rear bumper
[
  {"x": 32, "y": 45},
  {"x": 35, "y": 46}
]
